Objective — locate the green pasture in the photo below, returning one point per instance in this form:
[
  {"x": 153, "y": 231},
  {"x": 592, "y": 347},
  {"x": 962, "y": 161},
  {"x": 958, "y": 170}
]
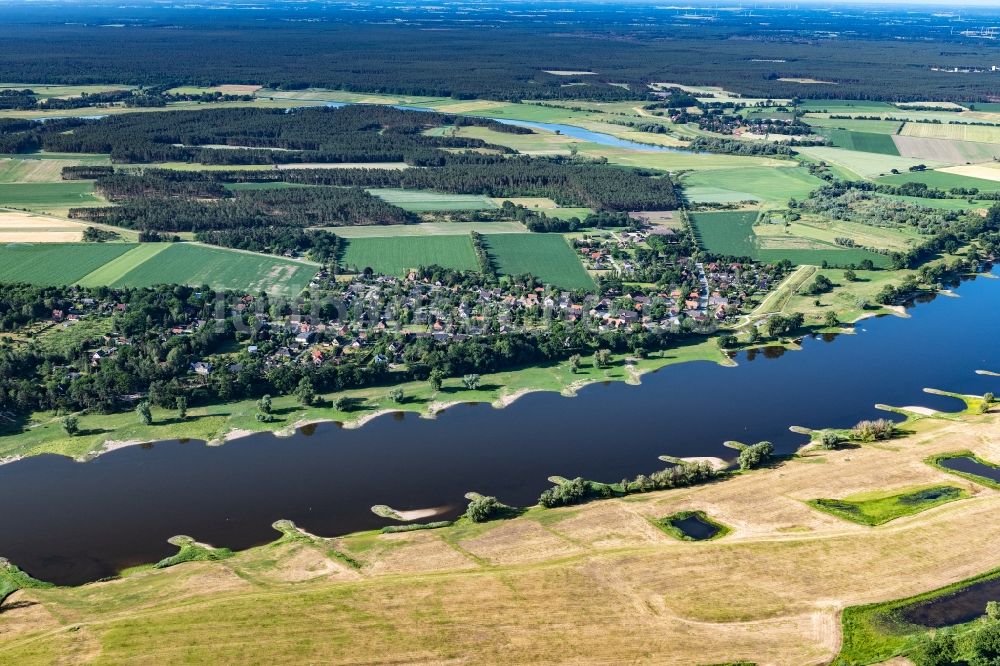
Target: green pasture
[
  {"x": 941, "y": 180},
  {"x": 764, "y": 184},
  {"x": 47, "y": 196},
  {"x": 880, "y": 507},
  {"x": 421, "y": 201}
]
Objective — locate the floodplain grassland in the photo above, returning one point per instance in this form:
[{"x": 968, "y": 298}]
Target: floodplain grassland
[
  {"x": 55, "y": 263},
  {"x": 546, "y": 256},
  {"x": 771, "y": 592},
  {"x": 864, "y": 165},
  {"x": 394, "y": 255}
]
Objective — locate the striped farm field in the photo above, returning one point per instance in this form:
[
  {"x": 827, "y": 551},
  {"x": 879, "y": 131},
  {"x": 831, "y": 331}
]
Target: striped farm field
[
  {"x": 957, "y": 132},
  {"x": 394, "y": 255},
  {"x": 546, "y": 256},
  {"x": 946, "y": 150},
  {"x": 118, "y": 268},
  {"x": 196, "y": 265},
  {"x": 55, "y": 263},
  {"x": 46, "y": 196}
]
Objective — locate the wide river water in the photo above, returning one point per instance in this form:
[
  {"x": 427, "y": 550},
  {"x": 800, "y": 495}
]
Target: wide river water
[{"x": 71, "y": 522}]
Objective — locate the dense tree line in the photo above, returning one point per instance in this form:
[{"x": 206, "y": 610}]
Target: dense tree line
[
  {"x": 737, "y": 147},
  {"x": 354, "y": 133},
  {"x": 567, "y": 182},
  {"x": 284, "y": 207}
]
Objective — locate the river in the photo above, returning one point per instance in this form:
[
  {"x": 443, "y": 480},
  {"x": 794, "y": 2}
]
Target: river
[{"x": 70, "y": 522}]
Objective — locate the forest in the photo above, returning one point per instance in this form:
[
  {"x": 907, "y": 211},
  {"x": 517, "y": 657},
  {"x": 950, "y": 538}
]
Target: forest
[
  {"x": 508, "y": 64},
  {"x": 357, "y": 133}
]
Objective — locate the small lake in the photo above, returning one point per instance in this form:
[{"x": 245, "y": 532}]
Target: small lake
[
  {"x": 962, "y": 606},
  {"x": 69, "y": 522},
  {"x": 695, "y": 528},
  {"x": 971, "y": 466}
]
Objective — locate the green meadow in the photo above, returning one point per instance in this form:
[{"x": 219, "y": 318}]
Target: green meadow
[
  {"x": 394, "y": 255},
  {"x": 546, "y": 256}
]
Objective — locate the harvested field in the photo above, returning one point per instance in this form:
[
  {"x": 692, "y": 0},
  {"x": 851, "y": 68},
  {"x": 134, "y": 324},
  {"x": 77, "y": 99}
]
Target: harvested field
[
  {"x": 21, "y": 227},
  {"x": 947, "y": 178},
  {"x": 569, "y": 72},
  {"x": 865, "y": 165},
  {"x": 945, "y": 150},
  {"x": 987, "y": 172},
  {"x": 795, "y": 79}
]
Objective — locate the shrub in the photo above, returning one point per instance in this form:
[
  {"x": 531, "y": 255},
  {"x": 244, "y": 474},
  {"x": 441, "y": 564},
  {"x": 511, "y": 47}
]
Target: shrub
[
  {"x": 482, "y": 509},
  {"x": 755, "y": 455},
  {"x": 71, "y": 425},
  {"x": 829, "y": 440},
  {"x": 873, "y": 431}
]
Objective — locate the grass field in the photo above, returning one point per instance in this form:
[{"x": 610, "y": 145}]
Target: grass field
[
  {"x": 865, "y": 142},
  {"x": 55, "y": 263},
  {"x": 394, "y": 255},
  {"x": 418, "y": 201},
  {"x": 763, "y": 184},
  {"x": 942, "y": 180},
  {"x": 195, "y": 265},
  {"x": 733, "y": 233},
  {"x": 865, "y": 165},
  {"x": 40, "y": 169},
  {"x": 877, "y": 508},
  {"x": 546, "y": 256},
  {"x": 49, "y": 197},
  {"x": 276, "y": 185}
]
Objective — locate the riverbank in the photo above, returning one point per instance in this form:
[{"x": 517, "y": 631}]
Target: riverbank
[
  {"x": 770, "y": 591},
  {"x": 218, "y": 424}
]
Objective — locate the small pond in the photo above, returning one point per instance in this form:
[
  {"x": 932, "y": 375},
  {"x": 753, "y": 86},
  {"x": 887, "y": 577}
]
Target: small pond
[
  {"x": 695, "y": 526},
  {"x": 969, "y": 465},
  {"x": 959, "y": 607}
]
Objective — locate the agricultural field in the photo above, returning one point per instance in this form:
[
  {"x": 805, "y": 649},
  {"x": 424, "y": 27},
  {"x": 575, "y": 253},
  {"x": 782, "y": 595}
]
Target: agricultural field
[
  {"x": 762, "y": 184},
  {"x": 945, "y": 150},
  {"x": 21, "y": 227},
  {"x": 47, "y": 197},
  {"x": 845, "y": 106},
  {"x": 417, "y": 201},
  {"x": 113, "y": 271},
  {"x": 47, "y": 91},
  {"x": 394, "y": 255},
  {"x": 55, "y": 263},
  {"x": 42, "y": 168},
  {"x": 195, "y": 265},
  {"x": 546, "y": 256},
  {"x": 944, "y": 180},
  {"x": 989, "y": 171},
  {"x": 956, "y": 132},
  {"x": 868, "y": 126},
  {"x": 865, "y": 142},
  {"x": 735, "y": 234},
  {"x": 428, "y": 229},
  {"x": 864, "y": 165}
]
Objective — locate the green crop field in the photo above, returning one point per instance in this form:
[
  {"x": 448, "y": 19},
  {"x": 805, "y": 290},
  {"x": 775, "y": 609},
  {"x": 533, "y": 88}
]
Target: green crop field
[
  {"x": 55, "y": 263},
  {"x": 546, "y": 256},
  {"x": 429, "y": 229},
  {"x": 418, "y": 201},
  {"x": 942, "y": 180},
  {"x": 277, "y": 185},
  {"x": 394, "y": 255},
  {"x": 120, "y": 266},
  {"x": 845, "y": 106},
  {"x": 47, "y": 196},
  {"x": 195, "y": 265},
  {"x": 869, "y": 126},
  {"x": 866, "y": 142},
  {"x": 765, "y": 184},
  {"x": 732, "y": 233}
]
